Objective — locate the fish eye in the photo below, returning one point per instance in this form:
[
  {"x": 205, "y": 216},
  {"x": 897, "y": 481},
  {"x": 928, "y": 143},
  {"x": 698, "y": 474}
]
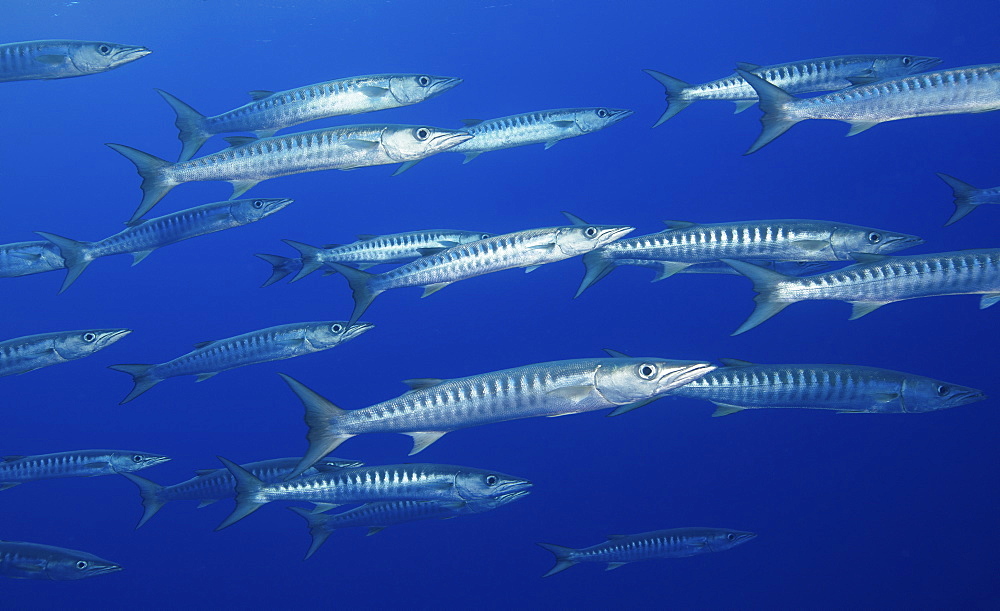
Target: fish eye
[
  {"x": 731, "y": 537},
  {"x": 89, "y": 337},
  {"x": 258, "y": 203},
  {"x": 423, "y": 133},
  {"x": 491, "y": 480},
  {"x": 647, "y": 371},
  {"x": 137, "y": 458},
  {"x": 602, "y": 113},
  {"x": 874, "y": 237},
  {"x": 336, "y": 327},
  {"x": 104, "y": 49},
  {"x": 423, "y": 81},
  {"x": 81, "y": 564},
  {"x": 484, "y": 236},
  {"x": 907, "y": 61},
  {"x": 590, "y": 232},
  {"x": 943, "y": 390}
]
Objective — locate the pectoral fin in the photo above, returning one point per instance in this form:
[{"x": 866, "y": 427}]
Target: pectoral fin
[
  {"x": 572, "y": 393},
  {"x": 814, "y": 245},
  {"x": 470, "y": 156},
  {"x": 363, "y": 145},
  {"x": 624, "y": 409},
  {"x": 563, "y": 124},
  {"x": 51, "y": 60},
  {"x": 886, "y": 397},
  {"x": 374, "y": 92},
  {"x": 551, "y": 143},
  {"x": 97, "y": 465},
  {"x": 531, "y": 268}
]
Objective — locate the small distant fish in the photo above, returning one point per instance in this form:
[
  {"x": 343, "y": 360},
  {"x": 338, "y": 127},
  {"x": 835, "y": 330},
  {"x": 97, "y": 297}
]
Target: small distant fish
[
  {"x": 377, "y": 516},
  {"x": 20, "y": 560},
  {"x": 270, "y": 111},
  {"x": 877, "y": 280},
  {"x": 530, "y": 249},
  {"x": 806, "y": 76},
  {"x": 434, "y": 407},
  {"x": 53, "y": 59},
  {"x": 967, "y": 197},
  {"x": 270, "y": 344},
  {"x": 251, "y": 160},
  {"x": 944, "y": 92},
  {"x": 16, "y": 470},
  {"x": 24, "y": 354},
  {"x": 619, "y": 550},
  {"x": 26, "y": 258},
  {"x": 146, "y": 236},
  {"x": 843, "y": 388},
  {"x": 211, "y": 485}
]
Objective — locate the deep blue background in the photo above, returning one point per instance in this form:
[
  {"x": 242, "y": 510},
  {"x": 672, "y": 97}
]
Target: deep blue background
[{"x": 852, "y": 511}]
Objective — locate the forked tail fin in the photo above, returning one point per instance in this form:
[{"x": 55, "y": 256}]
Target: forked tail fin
[
  {"x": 150, "y": 493},
  {"x": 764, "y": 281},
  {"x": 319, "y": 414},
  {"x": 562, "y": 555},
  {"x": 191, "y": 125},
  {"x": 674, "y": 88},
  {"x": 154, "y": 185},
  {"x": 772, "y": 101},
  {"x": 963, "y": 193}
]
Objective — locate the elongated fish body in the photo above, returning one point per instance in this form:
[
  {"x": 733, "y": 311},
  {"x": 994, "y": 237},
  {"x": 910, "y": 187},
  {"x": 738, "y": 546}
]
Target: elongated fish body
[
  {"x": 686, "y": 244},
  {"x": 806, "y": 76},
  {"x": 434, "y": 407},
  {"x": 372, "y": 250},
  {"x": 251, "y": 160},
  {"x": 842, "y": 388},
  {"x": 24, "y": 354},
  {"x": 261, "y": 346},
  {"x": 16, "y": 470},
  {"x": 53, "y": 59},
  {"x": 971, "y": 89},
  {"x": 877, "y": 281},
  {"x": 967, "y": 197},
  {"x": 211, "y": 485},
  {"x": 671, "y": 543},
  {"x": 378, "y": 516},
  {"x": 20, "y": 560},
  {"x": 26, "y": 258},
  {"x": 415, "y": 481},
  {"x": 529, "y": 249},
  {"x": 270, "y": 111}
]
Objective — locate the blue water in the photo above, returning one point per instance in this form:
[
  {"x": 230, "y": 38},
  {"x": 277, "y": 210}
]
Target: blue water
[{"x": 855, "y": 511}]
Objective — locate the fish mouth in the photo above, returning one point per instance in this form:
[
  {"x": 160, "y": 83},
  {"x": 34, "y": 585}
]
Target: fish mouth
[
  {"x": 692, "y": 370},
  {"x": 744, "y": 537},
  {"x": 278, "y": 204},
  {"x": 104, "y": 569},
  {"x": 616, "y": 233},
  {"x": 925, "y": 63},
  {"x": 111, "y": 337},
  {"x": 444, "y": 85},
  {"x": 155, "y": 460},
  {"x": 444, "y": 141},
  {"x": 965, "y": 397},
  {"x": 512, "y": 488},
  {"x": 618, "y": 114},
  {"x": 357, "y": 329},
  {"x": 900, "y": 242},
  {"x": 130, "y": 54},
  {"x": 509, "y": 497}
]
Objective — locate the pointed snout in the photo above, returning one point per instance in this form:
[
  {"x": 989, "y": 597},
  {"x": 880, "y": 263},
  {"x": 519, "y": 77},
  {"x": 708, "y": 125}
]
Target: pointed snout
[
  {"x": 357, "y": 329},
  {"x": 618, "y": 114}
]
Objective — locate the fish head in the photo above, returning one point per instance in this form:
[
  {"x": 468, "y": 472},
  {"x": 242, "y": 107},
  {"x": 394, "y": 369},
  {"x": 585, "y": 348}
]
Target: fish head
[
  {"x": 721, "y": 539},
  {"x": 78, "y": 344},
  {"x": 629, "y": 380},
  {"x": 479, "y": 484},
  {"x": 331, "y": 333},
  {"x": 920, "y": 394},
  {"x": 484, "y": 505},
  {"x": 90, "y": 57},
  {"x": 847, "y": 239},
  {"x": 413, "y": 88},
  {"x": 593, "y": 119},
  {"x": 464, "y": 237},
  {"x": 70, "y": 565},
  {"x": 252, "y": 210},
  {"x": 580, "y": 239},
  {"x": 901, "y": 65},
  {"x": 403, "y": 143},
  {"x": 127, "y": 462}
]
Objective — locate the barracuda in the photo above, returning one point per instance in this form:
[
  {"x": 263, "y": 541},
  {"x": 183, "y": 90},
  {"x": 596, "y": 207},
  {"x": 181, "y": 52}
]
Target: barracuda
[
  {"x": 434, "y": 407},
  {"x": 877, "y": 280},
  {"x": 686, "y": 244},
  {"x": 54, "y": 59},
  {"x": 24, "y": 354},
  {"x": 144, "y": 238},
  {"x": 418, "y": 482},
  {"x": 619, "y": 550},
  {"x": 252, "y": 160},
  {"x": 16, "y": 470},
  {"x": 26, "y": 258},
  {"x": 967, "y": 197},
  {"x": 273, "y": 110},
  {"x": 270, "y": 344},
  {"x": 20, "y": 560},
  {"x": 806, "y": 76},
  {"x": 843, "y": 388},
  {"x": 530, "y": 249},
  {"x": 970, "y": 89},
  {"x": 211, "y": 485}
]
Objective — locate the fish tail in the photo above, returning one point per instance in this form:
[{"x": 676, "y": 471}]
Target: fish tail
[
  {"x": 154, "y": 185},
  {"x": 764, "y": 282},
  {"x": 359, "y": 280},
  {"x": 310, "y": 258},
  {"x": 772, "y": 100},
  {"x": 279, "y": 268},
  {"x": 598, "y": 266},
  {"x": 150, "y": 493},
  {"x": 963, "y": 193},
  {"x": 562, "y": 555},
  {"x": 140, "y": 377},
  {"x": 75, "y": 254},
  {"x": 675, "y": 88},
  {"x": 191, "y": 124},
  {"x": 321, "y": 416},
  {"x": 247, "y": 488},
  {"x": 317, "y": 528}
]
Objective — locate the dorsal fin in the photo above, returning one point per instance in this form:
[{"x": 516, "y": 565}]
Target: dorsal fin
[
  {"x": 203, "y": 472},
  {"x": 13, "y": 457},
  {"x": 203, "y": 344},
  {"x": 574, "y": 218},
  {"x": 616, "y": 354},
  {"x": 419, "y": 383},
  {"x": 747, "y": 66},
  {"x": 613, "y": 537},
  {"x": 736, "y": 363},
  {"x": 679, "y": 224},
  {"x": 260, "y": 94},
  {"x": 367, "y": 236},
  {"x": 471, "y": 122}
]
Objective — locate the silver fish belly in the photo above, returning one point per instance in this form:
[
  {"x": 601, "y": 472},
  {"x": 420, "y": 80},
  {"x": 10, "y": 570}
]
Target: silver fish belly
[
  {"x": 24, "y": 354},
  {"x": 21, "y": 560},
  {"x": 55, "y": 59},
  {"x": 26, "y": 258},
  {"x": 15, "y": 470}
]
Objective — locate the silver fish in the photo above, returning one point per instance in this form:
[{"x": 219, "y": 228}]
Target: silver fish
[
  {"x": 530, "y": 249},
  {"x": 144, "y": 238},
  {"x": 805, "y": 76},
  {"x": 211, "y": 485},
  {"x": 619, "y": 550},
  {"x": 843, "y": 388},
  {"x": 270, "y": 344},
  {"x": 416, "y": 481},
  {"x": 270, "y": 111},
  {"x": 967, "y": 197},
  {"x": 685, "y": 244},
  {"x": 877, "y": 280},
  {"x": 20, "y": 560},
  {"x": 434, "y": 407},
  {"x": 251, "y": 160},
  {"x": 26, "y": 258},
  {"x": 52, "y": 59},
  {"x": 377, "y": 516},
  {"x": 944, "y": 92},
  {"x": 24, "y": 354},
  {"x": 16, "y": 470}
]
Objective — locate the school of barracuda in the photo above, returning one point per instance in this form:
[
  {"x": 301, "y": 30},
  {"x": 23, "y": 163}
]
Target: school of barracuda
[{"x": 776, "y": 255}]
